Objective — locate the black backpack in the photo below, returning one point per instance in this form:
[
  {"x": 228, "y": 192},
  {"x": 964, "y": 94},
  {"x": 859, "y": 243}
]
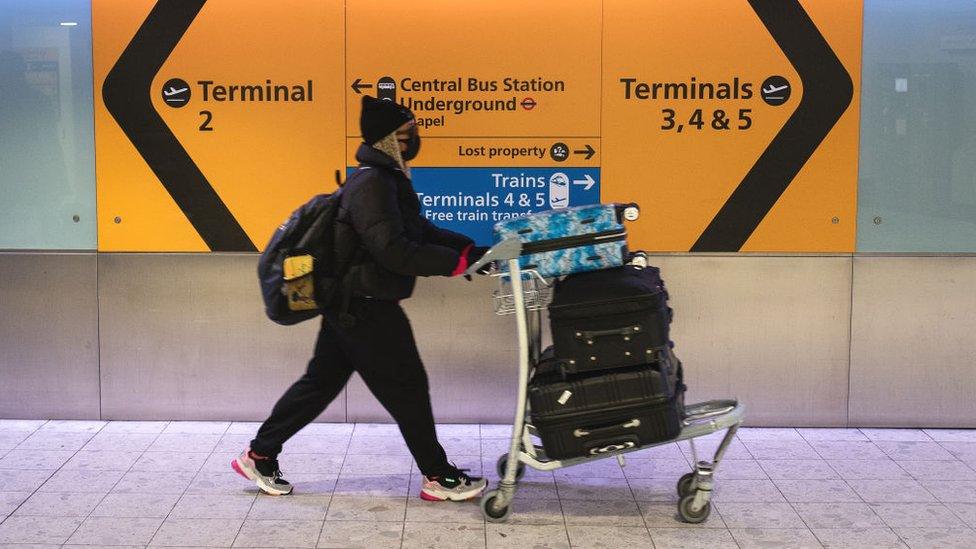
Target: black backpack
[{"x": 298, "y": 270}]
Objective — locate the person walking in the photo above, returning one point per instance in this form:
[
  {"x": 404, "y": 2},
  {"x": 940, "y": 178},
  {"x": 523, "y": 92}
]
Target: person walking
[{"x": 380, "y": 216}]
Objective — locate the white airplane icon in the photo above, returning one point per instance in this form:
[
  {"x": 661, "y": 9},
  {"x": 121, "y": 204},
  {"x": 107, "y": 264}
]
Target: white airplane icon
[
  {"x": 173, "y": 91},
  {"x": 773, "y": 89}
]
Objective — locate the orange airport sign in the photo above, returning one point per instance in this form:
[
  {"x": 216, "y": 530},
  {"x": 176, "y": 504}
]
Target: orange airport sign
[{"x": 733, "y": 124}]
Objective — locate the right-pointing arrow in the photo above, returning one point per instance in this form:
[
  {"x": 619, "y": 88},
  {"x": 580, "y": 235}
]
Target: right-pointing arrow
[
  {"x": 827, "y": 92},
  {"x": 588, "y": 181},
  {"x": 358, "y": 85},
  {"x": 588, "y": 151}
]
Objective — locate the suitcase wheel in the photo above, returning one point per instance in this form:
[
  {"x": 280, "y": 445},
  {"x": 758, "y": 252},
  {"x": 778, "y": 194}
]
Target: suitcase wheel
[
  {"x": 689, "y": 515},
  {"x": 632, "y": 212},
  {"x": 488, "y": 508},
  {"x": 638, "y": 259}
]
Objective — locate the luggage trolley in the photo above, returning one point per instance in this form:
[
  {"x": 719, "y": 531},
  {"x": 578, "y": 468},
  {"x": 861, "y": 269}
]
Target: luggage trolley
[{"x": 525, "y": 293}]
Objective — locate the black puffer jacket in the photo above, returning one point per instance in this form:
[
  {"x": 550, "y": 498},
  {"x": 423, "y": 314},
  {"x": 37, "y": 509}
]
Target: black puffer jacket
[{"x": 380, "y": 214}]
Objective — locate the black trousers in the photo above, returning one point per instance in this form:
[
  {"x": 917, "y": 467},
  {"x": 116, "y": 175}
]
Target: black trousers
[{"x": 381, "y": 348}]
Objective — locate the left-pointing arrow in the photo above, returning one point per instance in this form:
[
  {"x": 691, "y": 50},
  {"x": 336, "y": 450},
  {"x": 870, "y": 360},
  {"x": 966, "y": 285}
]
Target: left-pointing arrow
[
  {"x": 127, "y": 95},
  {"x": 358, "y": 85}
]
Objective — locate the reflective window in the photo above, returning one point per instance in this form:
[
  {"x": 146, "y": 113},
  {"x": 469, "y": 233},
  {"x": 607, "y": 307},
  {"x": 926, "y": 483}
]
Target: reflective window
[
  {"x": 917, "y": 188},
  {"x": 47, "y": 179}
]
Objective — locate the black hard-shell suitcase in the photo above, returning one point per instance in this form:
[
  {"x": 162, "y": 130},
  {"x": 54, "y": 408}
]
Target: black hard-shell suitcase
[
  {"x": 612, "y": 318},
  {"x": 592, "y": 414}
]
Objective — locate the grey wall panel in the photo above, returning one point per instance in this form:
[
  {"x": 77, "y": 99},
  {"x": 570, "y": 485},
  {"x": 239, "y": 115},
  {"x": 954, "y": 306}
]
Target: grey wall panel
[
  {"x": 184, "y": 337},
  {"x": 48, "y": 336},
  {"x": 913, "y": 362},
  {"x": 772, "y": 331},
  {"x": 470, "y": 354}
]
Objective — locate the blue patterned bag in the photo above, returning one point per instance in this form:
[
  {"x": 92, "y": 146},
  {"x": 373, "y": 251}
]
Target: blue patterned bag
[{"x": 571, "y": 240}]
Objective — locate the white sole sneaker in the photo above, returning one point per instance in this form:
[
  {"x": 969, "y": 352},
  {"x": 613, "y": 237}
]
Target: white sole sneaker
[
  {"x": 245, "y": 467},
  {"x": 433, "y": 491}
]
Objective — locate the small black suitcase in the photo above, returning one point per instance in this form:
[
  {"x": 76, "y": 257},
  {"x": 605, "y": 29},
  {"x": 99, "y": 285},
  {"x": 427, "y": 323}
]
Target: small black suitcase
[
  {"x": 609, "y": 319},
  {"x": 592, "y": 414}
]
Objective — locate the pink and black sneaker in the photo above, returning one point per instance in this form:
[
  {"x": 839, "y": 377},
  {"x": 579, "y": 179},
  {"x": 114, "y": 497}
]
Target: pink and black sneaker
[
  {"x": 454, "y": 486},
  {"x": 263, "y": 471}
]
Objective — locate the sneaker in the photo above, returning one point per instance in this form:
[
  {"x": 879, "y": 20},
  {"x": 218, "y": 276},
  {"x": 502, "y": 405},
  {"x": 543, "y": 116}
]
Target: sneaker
[
  {"x": 455, "y": 486},
  {"x": 263, "y": 471}
]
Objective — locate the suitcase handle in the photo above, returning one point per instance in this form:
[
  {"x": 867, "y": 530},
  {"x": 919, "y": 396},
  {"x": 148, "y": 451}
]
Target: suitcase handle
[
  {"x": 632, "y": 424},
  {"x": 589, "y": 336}
]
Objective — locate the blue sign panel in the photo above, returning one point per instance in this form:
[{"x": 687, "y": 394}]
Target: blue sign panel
[{"x": 471, "y": 200}]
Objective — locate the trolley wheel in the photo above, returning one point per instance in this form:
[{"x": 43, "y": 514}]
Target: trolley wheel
[
  {"x": 694, "y": 517},
  {"x": 503, "y": 462},
  {"x": 487, "y": 504},
  {"x": 686, "y": 484}
]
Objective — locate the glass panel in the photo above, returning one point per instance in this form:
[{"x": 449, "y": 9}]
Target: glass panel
[
  {"x": 47, "y": 179},
  {"x": 917, "y": 188}
]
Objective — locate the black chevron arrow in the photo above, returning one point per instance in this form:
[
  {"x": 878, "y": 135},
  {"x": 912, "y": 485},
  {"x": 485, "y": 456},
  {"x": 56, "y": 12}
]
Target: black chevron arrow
[
  {"x": 827, "y": 92},
  {"x": 127, "y": 95}
]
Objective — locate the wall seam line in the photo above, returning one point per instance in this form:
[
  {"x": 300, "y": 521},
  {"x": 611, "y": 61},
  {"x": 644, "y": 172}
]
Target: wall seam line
[
  {"x": 98, "y": 300},
  {"x": 850, "y": 344},
  {"x": 98, "y": 336}
]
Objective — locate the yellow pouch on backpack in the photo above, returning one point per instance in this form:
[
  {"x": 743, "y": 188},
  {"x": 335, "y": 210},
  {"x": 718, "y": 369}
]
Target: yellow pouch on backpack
[{"x": 298, "y": 287}]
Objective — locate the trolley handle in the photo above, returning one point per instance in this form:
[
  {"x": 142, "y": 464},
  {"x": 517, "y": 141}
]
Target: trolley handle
[{"x": 510, "y": 248}]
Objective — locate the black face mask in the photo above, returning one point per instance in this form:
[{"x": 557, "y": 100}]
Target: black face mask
[{"x": 413, "y": 146}]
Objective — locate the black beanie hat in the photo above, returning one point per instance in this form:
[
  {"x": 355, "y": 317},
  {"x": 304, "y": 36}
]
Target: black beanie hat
[{"x": 381, "y": 117}]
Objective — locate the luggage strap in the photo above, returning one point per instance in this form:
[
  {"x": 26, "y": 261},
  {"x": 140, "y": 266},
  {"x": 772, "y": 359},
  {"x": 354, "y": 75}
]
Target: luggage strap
[{"x": 574, "y": 241}]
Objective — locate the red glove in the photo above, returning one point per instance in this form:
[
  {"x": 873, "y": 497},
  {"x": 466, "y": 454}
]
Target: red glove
[{"x": 462, "y": 261}]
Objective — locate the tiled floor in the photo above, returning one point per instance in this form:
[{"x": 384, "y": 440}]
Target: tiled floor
[{"x": 78, "y": 483}]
